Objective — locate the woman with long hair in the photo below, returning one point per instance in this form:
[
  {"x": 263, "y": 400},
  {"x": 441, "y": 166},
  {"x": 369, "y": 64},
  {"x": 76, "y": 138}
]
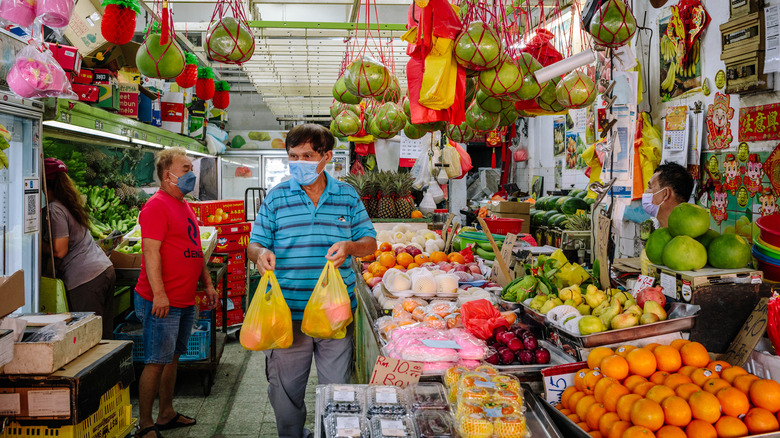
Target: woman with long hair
[{"x": 84, "y": 268}]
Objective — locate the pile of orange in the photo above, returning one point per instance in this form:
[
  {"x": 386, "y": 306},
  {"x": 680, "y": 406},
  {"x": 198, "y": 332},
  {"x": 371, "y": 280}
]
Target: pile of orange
[
  {"x": 384, "y": 258},
  {"x": 669, "y": 391}
]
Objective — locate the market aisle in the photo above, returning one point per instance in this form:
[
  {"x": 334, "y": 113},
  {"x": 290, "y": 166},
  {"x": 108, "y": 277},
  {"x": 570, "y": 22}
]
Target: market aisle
[{"x": 238, "y": 405}]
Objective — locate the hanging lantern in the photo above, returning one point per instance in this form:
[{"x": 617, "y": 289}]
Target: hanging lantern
[
  {"x": 189, "y": 75},
  {"x": 118, "y": 23},
  {"x": 221, "y": 99},
  {"x": 204, "y": 86}
]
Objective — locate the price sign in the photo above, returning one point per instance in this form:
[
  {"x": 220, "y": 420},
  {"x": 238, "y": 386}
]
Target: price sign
[
  {"x": 749, "y": 335},
  {"x": 395, "y": 372},
  {"x": 643, "y": 282}
]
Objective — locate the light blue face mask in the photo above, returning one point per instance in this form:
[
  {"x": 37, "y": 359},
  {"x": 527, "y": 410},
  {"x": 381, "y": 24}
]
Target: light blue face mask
[
  {"x": 304, "y": 172},
  {"x": 186, "y": 182}
]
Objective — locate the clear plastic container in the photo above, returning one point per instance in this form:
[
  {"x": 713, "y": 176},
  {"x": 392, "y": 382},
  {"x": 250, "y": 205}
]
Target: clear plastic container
[
  {"x": 392, "y": 426},
  {"x": 386, "y": 400},
  {"x": 427, "y": 396},
  {"x": 346, "y": 426},
  {"x": 434, "y": 423},
  {"x": 346, "y": 399}
]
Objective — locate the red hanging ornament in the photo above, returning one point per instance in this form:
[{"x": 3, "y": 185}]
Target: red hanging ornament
[
  {"x": 189, "y": 75},
  {"x": 204, "y": 86},
  {"x": 221, "y": 99},
  {"x": 118, "y": 23}
]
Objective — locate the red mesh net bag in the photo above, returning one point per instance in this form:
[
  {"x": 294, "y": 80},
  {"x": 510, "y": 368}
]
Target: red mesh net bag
[
  {"x": 160, "y": 55},
  {"x": 229, "y": 39},
  {"x": 613, "y": 24}
]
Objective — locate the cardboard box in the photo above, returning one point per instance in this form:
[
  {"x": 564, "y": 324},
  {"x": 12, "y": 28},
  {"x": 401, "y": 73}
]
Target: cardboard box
[
  {"x": 67, "y": 56},
  {"x": 47, "y": 357},
  {"x": 108, "y": 97},
  {"x": 83, "y": 77},
  {"x": 510, "y": 207},
  {"x": 72, "y": 393},
  {"x": 125, "y": 261},
  {"x": 102, "y": 76},
  {"x": 12, "y": 291},
  {"x": 172, "y": 113},
  {"x": 153, "y": 84},
  {"x": 83, "y": 30},
  {"x": 86, "y": 93},
  {"x": 130, "y": 98},
  {"x": 243, "y": 227},
  {"x": 129, "y": 75},
  {"x": 227, "y": 211},
  {"x": 681, "y": 285},
  {"x": 232, "y": 242},
  {"x": 115, "y": 58}
]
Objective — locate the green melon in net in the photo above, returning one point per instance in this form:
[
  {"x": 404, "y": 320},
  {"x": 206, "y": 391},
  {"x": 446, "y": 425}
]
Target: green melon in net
[
  {"x": 338, "y": 107},
  {"x": 392, "y": 93},
  {"x": 460, "y": 133},
  {"x": 547, "y": 100},
  {"x": 347, "y": 123},
  {"x": 156, "y": 60},
  {"x": 390, "y": 118},
  {"x": 367, "y": 77},
  {"x": 341, "y": 94},
  {"x": 490, "y": 103},
  {"x": 413, "y": 131},
  {"x": 576, "y": 90},
  {"x": 478, "y": 47},
  {"x": 508, "y": 116},
  {"x": 503, "y": 80},
  {"x": 229, "y": 41},
  {"x": 376, "y": 131},
  {"x": 434, "y": 126},
  {"x": 613, "y": 24},
  {"x": 530, "y": 88},
  {"x": 480, "y": 120},
  {"x": 471, "y": 90},
  {"x": 407, "y": 107}
]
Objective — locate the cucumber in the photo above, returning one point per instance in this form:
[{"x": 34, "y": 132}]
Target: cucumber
[
  {"x": 486, "y": 246},
  {"x": 487, "y": 255}
]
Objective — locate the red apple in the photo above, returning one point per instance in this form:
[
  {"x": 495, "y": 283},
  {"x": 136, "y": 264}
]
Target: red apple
[
  {"x": 399, "y": 250},
  {"x": 374, "y": 281},
  {"x": 507, "y": 356},
  {"x": 515, "y": 344},
  {"x": 542, "y": 355},
  {"x": 413, "y": 251}
]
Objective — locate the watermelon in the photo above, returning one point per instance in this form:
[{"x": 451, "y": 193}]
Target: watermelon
[
  {"x": 560, "y": 222},
  {"x": 571, "y": 205},
  {"x": 540, "y": 203},
  {"x": 537, "y": 218},
  {"x": 551, "y": 202},
  {"x": 560, "y": 202},
  {"x": 574, "y": 192},
  {"x": 548, "y": 217},
  {"x": 582, "y": 194}
]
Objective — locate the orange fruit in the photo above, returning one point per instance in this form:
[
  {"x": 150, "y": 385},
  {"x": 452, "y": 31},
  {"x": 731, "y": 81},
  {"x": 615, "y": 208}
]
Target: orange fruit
[
  {"x": 659, "y": 377},
  {"x": 715, "y": 384},
  {"x": 743, "y": 382},
  {"x": 730, "y": 427},
  {"x": 686, "y": 389},
  {"x": 417, "y": 214},
  {"x": 678, "y": 343},
  {"x": 574, "y": 418},
  {"x": 759, "y": 420},
  {"x": 404, "y": 259},
  {"x": 704, "y": 406},
  {"x": 623, "y": 350},
  {"x": 614, "y": 366},
  {"x": 584, "y": 426},
  {"x": 677, "y": 411},
  {"x": 582, "y": 406},
  {"x": 373, "y": 267},
  {"x": 733, "y": 402},
  {"x": 676, "y": 379},
  {"x": 387, "y": 260},
  {"x": 659, "y": 393},
  {"x": 643, "y": 388},
  {"x": 420, "y": 259},
  {"x": 633, "y": 380},
  {"x": 595, "y": 434},
  {"x": 593, "y": 415},
  {"x": 566, "y": 394},
  {"x": 399, "y": 267},
  {"x": 668, "y": 358},
  {"x": 386, "y": 246},
  {"x": 686, "y": 370},
  {"x": 412, "y": 266},
  {"x": 590, "y": 380},
  {"x": 618, "y": 428},
  {"x": 718, "y": 366},
  {"x": 601, "y": 387},
  {"x": 625, "y": 404},
  {"x": 456, "y": 257},
  {"x": 651, "y": 347},
  {"x": 701, "y": 375},
  {"x": 641, "y": 362},
  {"x": 670, "y": 431},
  {"x": 731, "y": 373},
  {"x": 638, "y": 432},
  {"x": 694, "y": 354},
  {"x": 367, "y": 276},
  {"x": 700, "y": 429},
  {"x": 765, "y": 393},
  {"x": 438, "y": 256},
  {"x": 380, "y": 271},
  {"x": 607, "y": 421},
  {"x": 574, "y": 399},
  {"x": 612, "y": 395},
  {"x": 579, "y": 376},
  {"x": 647, "y": 413},
  {"x": 565, "y": 411},
  {"x": 598, "y": 353}
]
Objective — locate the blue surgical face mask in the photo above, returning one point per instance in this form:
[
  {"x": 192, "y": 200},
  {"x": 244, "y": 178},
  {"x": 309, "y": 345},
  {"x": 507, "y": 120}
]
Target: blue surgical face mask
[
  {"x": 304, "y": 172},
  {"x": 186, "y": 182},
  {"x": 647, "y": 203}
]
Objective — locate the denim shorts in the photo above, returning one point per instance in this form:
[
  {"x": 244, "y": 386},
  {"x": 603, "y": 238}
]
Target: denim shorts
[{"x": 164, "y": 337}]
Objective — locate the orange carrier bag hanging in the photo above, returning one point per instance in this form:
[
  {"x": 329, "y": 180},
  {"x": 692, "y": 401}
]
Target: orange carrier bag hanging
[
  {"x": 268, "y": 322},
  {"x": 328, "y": 312}
]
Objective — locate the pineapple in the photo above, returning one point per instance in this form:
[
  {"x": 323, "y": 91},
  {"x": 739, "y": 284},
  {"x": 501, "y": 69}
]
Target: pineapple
[
  {"x": 360, "y": 184},
  {"x": 386, "y": 208},
  {"x": 404, "y": 202},
  {"x": 372, "y": 191}
]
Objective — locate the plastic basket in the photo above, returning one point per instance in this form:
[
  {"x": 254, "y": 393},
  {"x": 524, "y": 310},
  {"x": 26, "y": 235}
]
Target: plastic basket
[
  {"x": 112, "y": 418},
  {"x": 504, "y": 225},
  {"x": 197, "y": 347}
]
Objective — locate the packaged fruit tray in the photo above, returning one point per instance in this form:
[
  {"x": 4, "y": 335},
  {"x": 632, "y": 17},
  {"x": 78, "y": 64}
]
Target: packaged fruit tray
[{"x": 681, "y": 317}]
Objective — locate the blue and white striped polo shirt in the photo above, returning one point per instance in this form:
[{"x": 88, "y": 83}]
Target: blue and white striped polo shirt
[{"x": 300, "y": 234}]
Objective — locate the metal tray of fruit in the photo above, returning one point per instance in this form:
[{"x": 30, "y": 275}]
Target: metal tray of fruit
[
  {"x": 507, "y": 305},
  {"x": 539, "y": 422},
  {"x": 536, "y": 316},
  {"x": 681, "y": 317},
  {"x": 557, "y": 357}
]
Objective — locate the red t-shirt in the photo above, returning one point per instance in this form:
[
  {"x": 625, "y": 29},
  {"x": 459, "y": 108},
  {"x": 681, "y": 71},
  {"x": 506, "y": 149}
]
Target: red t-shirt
[{"x": 172, "y": 222}]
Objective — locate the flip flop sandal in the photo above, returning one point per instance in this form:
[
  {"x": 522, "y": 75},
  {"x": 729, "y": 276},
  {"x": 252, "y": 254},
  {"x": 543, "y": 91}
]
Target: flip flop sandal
[
  {"x": 175, "y": 423},
  {"x": 141, "y": 433}
]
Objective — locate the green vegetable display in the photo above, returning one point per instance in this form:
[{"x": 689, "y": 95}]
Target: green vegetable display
[{"x": 107, "y": 213}]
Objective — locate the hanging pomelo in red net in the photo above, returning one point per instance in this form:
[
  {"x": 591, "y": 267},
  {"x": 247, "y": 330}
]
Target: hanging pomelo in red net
[
  {"x": 547, "y": 99},
  {"x": 531, "y": 88},
  {"x": 341, "y": 94},
  {"x": 478, "y": 47},
  {"x": 118, "y": 22},
  {"x": 229, "y": 39},
  {"x": 346, "y": 124},
  {"x": 576, "y": 90},
  {"x": 480, "y": 120},
  {"x": 490, "y": 103},
  {"x": 460, "y": 133},
  {"x": 160, "y": 56},
  {"x": 366, "y": 77},
  {"x": 613, "y": 24},
  {"x": 413, "y": 131},
  {"x": 502, "y": 80},
  {"x": 508, "y": 116},
  {"x": 472, "y": 85},
  {"x": 338, "y": 107},
  {"x": 390, "y": 119},
  {"x": 392, "y": 93}
]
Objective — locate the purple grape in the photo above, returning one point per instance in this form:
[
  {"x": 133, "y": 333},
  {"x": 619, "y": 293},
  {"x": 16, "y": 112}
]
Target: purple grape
[
  {"x": 542, "y": 355},
  {"x": 526, "y": 357}
]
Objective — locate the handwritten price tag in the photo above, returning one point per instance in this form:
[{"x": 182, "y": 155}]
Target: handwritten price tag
[
  {"x": 643, "y": 282},
  {"x": 747, "y": 338},
  {"x": 395, "y": 372}
]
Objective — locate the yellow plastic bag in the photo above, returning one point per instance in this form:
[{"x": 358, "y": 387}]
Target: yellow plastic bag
[
  {"x": 440, "y": 76},
  {"x": 328, "y": 312},
  {"x": 268, "y": 322}
]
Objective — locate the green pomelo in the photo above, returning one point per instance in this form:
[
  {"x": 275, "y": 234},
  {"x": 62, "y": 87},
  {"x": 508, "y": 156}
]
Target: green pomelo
[
  {"x": 684, "y": 253},
  {"x": 729, "y": 251},
  {"x": 490, "y": 103},
  {"x": 613, "y": 24},
  {"x": 347, "y": 123},
  {"x": 478, "y": 47},
  {"x": 689, "y": 220},
  {"x": 433, "y": 126},
  {"x": 338, "y": 107},
  {"x": 508, "y": 116},
  {"x": 366, "y": 77},
  {"x": 390, "y": 118},
  {"x": 654, "y": 248},
  {"x": 481, "y": 120},
  {"x": 393, "y": 92},
  {"x": 157, "y": 61},
  {"x": 230, "y": 42},
  {"x": 707, "y": 237},
  {"x": 576, "y": 90},
  {"x": 341, "y": 94},
  {"x": 471, "y": 90},
  {"x": 460, "y": 133},
  {"x": 407, "y": 108},
  {"x": 413, "y": 131},
  {"x": 530, "y": 88},
  {"x": 502, "y": 80}
]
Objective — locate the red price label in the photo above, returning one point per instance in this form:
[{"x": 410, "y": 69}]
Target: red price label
[{"x": 643, "y": 282}]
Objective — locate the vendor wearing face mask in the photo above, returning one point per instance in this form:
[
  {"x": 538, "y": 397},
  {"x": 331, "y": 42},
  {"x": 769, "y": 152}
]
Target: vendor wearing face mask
[
  {"x": 303, "y": 223},
  {"x": 670, "y": 186}
]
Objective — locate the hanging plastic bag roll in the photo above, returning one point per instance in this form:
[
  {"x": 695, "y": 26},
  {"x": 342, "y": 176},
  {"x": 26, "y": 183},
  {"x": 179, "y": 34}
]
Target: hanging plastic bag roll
[
  {"x": 565, "y": 65},
  {"x": 54, "y": 13},
  {"x": 268, "y": 322}
]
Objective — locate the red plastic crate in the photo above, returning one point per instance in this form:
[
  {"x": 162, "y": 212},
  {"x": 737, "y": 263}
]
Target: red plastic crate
[
  {"x": 227, "y": 211},
  {"x": 243, "y": 227},
  {"x": 235, "y": 316},
  {"x": 232, "y": 242}
]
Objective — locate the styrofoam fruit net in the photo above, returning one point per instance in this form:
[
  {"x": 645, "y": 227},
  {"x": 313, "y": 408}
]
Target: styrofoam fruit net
[
  {"x": 460, "y": 133},
  {"x": 490, "y": 103},
  {"x": 547, "y": 100},
  {"x": 366, "y": 77},
  {"x": 480, "y": 120},
  {"x": 230, "y": 42},
  {"x": 576, "y": 90},
  {"x": 347, "y": 123},
  {"x": 341, "y": 94},
  {"x": 505, "y": 79},
  {"x": 613, "y": 24},
  {"x": 478, "y": 47}
]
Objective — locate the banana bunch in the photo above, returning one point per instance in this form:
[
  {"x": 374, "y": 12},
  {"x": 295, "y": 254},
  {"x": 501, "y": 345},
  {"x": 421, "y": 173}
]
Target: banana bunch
[
  {"x": 668, "y": 50},
  {"x": 671, "y": 74},
  {"x": 5, "y": 138}
]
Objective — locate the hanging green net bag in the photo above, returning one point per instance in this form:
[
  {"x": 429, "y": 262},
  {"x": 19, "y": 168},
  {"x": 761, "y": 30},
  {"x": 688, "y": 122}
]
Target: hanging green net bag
[
  {"x": 576, "y": 90},
  {"x": 460, "y": 133},
  {"x": 478, "y": 47},
  {"x": 480, "y": 120},
  {"x": 367, "y": 77},
  {"x": 503, "y": 80},
  {"x": 613, "y": 24}
]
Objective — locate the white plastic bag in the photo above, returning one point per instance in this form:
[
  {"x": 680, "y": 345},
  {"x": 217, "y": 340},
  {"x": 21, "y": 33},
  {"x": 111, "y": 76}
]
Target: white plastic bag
[
  {"x": 451, "y": 157},
  {"x": 427, "y": 205},
  {"x": 421, "y": 171},
  {"x": 36, "y": 73},
  {"x": 435, "y": 190}
]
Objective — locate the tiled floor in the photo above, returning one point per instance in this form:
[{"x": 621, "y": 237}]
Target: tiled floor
[{"x": 238, "y": 404}]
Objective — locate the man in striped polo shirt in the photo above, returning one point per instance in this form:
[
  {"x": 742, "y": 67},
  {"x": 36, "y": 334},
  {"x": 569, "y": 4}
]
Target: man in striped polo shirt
[{"x": 302, "y": 223}]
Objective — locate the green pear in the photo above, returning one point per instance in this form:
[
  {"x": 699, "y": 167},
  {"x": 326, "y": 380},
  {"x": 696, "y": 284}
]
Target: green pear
[
  {"x": 655, "y": 307},
  {"x": 538, "y": 301},
  {"x": 570, "y": 302},
  {"x": 595, "y": 297},
  {"x": 616, "y": 300},
  {"x": 577, "y": 295},
  {"x": 557, "y": 301},
  {"x": 583, "y": 308},
  {"x": 620, "y": 296},
  {"x": 590, "y": 324},
  {"x": 636, "y": 310},
  {"x": 624, "y": 320},
  {"x": 598, "y": 310},
  {"x": 648, "y": 318},
  {"x": 565, "y": 294},
  {"x": 547, "y": 306},
  {"x": 629, "y": 302},
  {"x": 613, "y": 310}
]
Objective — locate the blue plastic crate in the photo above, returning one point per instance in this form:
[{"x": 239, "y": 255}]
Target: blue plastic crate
[{"x": 197, "y": 347}]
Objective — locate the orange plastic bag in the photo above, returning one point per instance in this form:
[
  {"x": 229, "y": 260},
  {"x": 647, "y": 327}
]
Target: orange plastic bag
[
  {"x": 268, "y": 322},
  {"x": 328, "y": 312}
]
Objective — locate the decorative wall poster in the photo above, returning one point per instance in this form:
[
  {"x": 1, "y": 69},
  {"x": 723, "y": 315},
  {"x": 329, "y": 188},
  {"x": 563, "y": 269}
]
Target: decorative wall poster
[
  {"x": 732, "y": 179},
  {"x": 559, "y": 135},
  {"x": 758, "y": 123},
  {"x": 675, "y": 136},
  {"x": 574, "y": 149},
  {"x": 719, "y": 115},
  {"x": 772, "y": 169},
  {"x": 719, "y": 206},
  {"x": 768, "y": 202},
  {"x": 680, "y": 73},
  {"x": 754, "y": 172}
]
